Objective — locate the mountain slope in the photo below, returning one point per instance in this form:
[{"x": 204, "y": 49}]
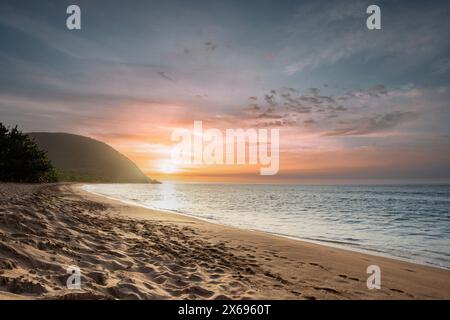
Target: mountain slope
[{"x": 79, "y": 158}]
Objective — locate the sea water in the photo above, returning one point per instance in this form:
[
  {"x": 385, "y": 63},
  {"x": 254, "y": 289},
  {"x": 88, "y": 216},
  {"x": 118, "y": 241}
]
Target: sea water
[{"x": 410, "y": 222}]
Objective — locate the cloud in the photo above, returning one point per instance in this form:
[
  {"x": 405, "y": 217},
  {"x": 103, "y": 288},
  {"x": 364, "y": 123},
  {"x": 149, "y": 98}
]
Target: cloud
[
  {"x": 292, "y": 104},
  {"x": 270, "y": 99},
  {"x": 373, "y": 124},
  {"x": 372, "y": 92},
  {"x": 357, "y": 112},
  {"x": 309, "y": 122},
  {"x": 442, "y": 66},
  {"x": 213, "y": 64},
  {"x": 165, "y": 76},
  {"x": 323, "y": 33},
  {"x": 210, "y": 46}
]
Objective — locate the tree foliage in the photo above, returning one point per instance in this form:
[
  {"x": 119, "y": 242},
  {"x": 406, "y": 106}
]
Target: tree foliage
[{"x": 21, "y": 160}]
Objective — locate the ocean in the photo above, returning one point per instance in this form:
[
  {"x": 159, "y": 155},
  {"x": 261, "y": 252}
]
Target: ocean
[{"x": 408, "y": 222}]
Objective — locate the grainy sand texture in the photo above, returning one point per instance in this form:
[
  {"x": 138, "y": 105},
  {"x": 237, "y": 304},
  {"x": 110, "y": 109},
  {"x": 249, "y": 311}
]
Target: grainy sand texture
[{"x": 129, "y": 252}]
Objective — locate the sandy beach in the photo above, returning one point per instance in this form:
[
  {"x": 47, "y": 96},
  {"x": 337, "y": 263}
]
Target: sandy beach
[{"x": 130, "y": 252}]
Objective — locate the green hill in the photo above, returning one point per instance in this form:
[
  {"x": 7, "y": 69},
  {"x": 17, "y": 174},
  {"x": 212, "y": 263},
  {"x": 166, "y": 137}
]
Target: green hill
[{"x": 83, "y": 159}]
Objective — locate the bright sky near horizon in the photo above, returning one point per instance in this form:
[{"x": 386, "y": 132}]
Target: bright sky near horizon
[{"x": 350, "y": 103}]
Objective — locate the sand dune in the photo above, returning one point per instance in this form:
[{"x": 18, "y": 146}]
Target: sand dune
[{"x": 127, "y": 252}]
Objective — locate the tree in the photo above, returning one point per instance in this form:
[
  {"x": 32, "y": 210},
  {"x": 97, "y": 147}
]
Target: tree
[{"x": 21, "y": 160}]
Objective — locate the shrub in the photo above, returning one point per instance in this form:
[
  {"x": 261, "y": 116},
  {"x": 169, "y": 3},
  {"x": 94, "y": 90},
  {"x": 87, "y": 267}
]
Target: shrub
[{"x": 21, "y": 160}]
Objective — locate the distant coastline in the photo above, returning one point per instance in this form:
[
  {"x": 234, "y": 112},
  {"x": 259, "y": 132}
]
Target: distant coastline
[{"x": 83, "y": 159}]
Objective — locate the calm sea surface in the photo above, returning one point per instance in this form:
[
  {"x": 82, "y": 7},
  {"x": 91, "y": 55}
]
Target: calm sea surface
[{"x": 408, "y": 222}]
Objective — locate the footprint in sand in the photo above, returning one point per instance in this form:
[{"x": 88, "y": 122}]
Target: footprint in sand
[{"x": 199, "y": 291}]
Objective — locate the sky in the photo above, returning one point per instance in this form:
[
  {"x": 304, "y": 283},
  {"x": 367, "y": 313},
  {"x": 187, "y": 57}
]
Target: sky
[{"x": 351, "y": 104}]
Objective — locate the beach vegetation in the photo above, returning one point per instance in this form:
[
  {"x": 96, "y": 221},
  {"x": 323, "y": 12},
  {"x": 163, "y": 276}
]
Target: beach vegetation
[{"x": 21, "y": 160}]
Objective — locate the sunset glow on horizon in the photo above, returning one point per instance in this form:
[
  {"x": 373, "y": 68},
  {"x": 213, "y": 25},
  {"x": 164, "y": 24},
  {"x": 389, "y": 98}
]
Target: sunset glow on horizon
[
  {"x": 309, "y": 152},
  {"x": 350, "y": 104}
]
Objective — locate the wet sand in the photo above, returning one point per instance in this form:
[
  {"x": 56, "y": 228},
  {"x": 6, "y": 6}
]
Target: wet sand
[{"x": 130, "y": 252}]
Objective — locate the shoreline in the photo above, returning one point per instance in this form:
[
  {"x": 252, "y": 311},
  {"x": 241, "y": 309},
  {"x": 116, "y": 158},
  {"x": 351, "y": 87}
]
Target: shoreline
[
  {"x": 317, "y": 242},
  {"x": 281, "y": 240},
  {"x": 130, "y": 252}
]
